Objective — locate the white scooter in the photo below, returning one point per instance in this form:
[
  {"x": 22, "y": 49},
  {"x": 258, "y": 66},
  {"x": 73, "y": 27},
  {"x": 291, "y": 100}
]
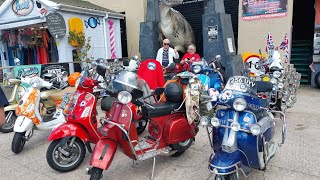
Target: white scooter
[{"x": 31, "y": 112}]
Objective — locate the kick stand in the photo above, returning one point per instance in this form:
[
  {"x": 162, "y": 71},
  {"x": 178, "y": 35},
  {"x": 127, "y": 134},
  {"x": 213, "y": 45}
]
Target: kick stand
[{"x": 154, "y": 164}]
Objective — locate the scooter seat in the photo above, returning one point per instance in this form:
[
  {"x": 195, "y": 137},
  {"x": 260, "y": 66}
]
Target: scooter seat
[
  {"x": 58, "y": 96},
  {"x": 159, "y": 109},
  {"x": 14, "y": 81}
]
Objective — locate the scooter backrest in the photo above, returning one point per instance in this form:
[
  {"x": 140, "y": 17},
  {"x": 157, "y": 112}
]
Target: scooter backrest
[
  {"x": 101, "y": 70},
  {"x": 263, "y": 86}
]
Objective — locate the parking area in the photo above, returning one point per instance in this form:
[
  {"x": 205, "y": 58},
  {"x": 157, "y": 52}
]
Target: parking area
[{"x": 297, "y": 159}]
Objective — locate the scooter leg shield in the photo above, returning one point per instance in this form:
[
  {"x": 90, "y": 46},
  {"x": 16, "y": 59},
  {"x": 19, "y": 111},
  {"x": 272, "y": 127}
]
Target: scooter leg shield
[
  {"x": 103, "y": 153},
  {"x": 23, "y": 124},
  {"x": 224, "y": 163}
]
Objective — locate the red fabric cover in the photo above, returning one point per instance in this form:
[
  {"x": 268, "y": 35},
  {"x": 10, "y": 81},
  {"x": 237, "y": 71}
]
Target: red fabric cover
[{"x": 154, "y": 77}]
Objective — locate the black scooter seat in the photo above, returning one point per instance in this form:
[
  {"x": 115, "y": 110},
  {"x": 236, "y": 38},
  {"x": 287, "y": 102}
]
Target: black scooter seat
[{"x": 159, "y": 109}]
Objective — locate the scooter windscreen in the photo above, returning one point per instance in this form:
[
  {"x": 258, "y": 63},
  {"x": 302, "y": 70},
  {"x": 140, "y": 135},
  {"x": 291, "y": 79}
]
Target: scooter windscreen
[{"x": 128, "y": 81}]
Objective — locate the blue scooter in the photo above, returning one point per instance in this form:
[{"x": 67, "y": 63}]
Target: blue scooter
[
  {"x": 242, "y": 134},
  {"x": 209, "y": 74}
]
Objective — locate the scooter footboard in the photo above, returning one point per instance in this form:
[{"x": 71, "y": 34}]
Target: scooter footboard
[
  {"x": 103, "y": 154},
  {"x": 223, "y": 163}
]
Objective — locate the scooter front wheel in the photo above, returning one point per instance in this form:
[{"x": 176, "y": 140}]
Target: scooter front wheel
[
  {"x": 67, "y": 157},
  {"x": 9, "y": 124},
  {"x": 232, "y": 176},
  {"x": 18, "y": 142},
  {"x": 96, "y": 173}
]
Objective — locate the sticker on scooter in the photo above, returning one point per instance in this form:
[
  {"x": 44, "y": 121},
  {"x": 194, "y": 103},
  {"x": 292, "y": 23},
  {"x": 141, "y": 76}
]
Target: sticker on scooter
[{"x": 83, "y": 103}]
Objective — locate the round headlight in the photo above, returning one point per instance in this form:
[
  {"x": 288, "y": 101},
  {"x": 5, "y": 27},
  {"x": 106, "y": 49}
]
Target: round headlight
[
  {"x": 274, "y": 81},
  {"x": 196, "y": 69},
  {"x": 204, "y": 121},
  {"x": 124, "y": 97},
  {"x": 255, "y": 129},
  {"x": 35, "y": 82},
  {"x": 215, "y": 122},
  {"x": 276, "y": 74},
  {"x": 239, "y": 104},
  {"x": 280, "y": 85},
  {"x": 235, "y": 126}
]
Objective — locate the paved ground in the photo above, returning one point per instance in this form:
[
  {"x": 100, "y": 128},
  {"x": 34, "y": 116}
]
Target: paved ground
[{"x": 297, "y": 159}]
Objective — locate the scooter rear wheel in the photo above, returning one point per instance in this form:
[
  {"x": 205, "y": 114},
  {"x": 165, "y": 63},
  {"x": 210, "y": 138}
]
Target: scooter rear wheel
[
  {"x": 181, "y": 147},
  {"x": 96, "y": 173},
  {"x": 8, "y": 126},
  {"x": 61, "y": 162},
  {"x": 18, "y": 142}
]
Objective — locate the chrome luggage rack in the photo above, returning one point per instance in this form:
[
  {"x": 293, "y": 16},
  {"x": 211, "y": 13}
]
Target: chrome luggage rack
[{"x": 69, "y": 102}]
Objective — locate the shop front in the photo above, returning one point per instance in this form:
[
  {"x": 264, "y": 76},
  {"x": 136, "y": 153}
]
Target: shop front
[{"x": 37, "y": 32}]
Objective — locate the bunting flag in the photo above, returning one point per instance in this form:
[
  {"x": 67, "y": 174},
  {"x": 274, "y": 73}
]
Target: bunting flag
[
  {"x": 269, "y": 43},
  {"x": 284, "y": 46}
]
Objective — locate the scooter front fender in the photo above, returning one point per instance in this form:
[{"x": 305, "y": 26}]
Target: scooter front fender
[
  {"x": 23, "y": 124},
  {"x": 69, "y": 129},
  {"x": 11, "y": 107},
  {"x": 224, "y": 163},
  {"x": 103, "y": 154}
]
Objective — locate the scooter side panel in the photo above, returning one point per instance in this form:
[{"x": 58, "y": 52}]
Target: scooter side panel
[
  {"x": 103, "y": 153},
  {"x": 23, "y": 124},
  {"x": 177, "y": 130},
  {"x": 69, "y": 129}
]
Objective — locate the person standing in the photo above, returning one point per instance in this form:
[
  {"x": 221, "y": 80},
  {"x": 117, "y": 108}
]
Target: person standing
[
  {"x": 166, "y": 54},
  {"x": 3, "y": 102}
]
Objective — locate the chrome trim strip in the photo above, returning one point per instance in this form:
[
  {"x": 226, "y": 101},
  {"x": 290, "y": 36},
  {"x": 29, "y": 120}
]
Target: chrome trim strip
[{"x": 126, "y": 133}]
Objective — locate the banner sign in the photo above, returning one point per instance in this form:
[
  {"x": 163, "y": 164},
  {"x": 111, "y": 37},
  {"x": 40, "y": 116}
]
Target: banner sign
[
  {"x": 27, "y": 71},
  {"x": 263, "y": 9},
  {"x": 56, "y": 69}
]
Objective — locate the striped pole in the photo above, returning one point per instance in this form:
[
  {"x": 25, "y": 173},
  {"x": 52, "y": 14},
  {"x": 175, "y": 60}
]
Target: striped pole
[{"x": 112, "y": 39}]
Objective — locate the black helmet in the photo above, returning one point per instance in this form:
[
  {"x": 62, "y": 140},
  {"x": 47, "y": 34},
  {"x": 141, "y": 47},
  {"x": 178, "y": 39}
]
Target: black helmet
[{"x": 174, "y": 92}]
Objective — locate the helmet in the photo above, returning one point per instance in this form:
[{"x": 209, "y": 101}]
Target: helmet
[
  {"x": 174, "y": 92},
  {"x": 73, "y": 78}
]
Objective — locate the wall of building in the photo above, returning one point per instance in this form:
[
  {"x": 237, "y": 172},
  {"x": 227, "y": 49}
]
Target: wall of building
[
  {"x": 98, "y": 42},
  {"x": 135, "y": 14},
  {"x": 253, "y": 34}
]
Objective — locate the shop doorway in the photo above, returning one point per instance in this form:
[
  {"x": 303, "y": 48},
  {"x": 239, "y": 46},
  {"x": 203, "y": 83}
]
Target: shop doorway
[
  {"x": 303, "y": 24},
  {"x": 124, "y": 43}
]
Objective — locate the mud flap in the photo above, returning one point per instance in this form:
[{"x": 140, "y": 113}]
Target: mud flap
[{"x": 103, "y": 154}]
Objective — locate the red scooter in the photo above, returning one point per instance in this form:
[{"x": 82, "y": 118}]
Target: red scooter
[
  {"x": 169, "y": 130},
  {"x": 67, "y": 149}
]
